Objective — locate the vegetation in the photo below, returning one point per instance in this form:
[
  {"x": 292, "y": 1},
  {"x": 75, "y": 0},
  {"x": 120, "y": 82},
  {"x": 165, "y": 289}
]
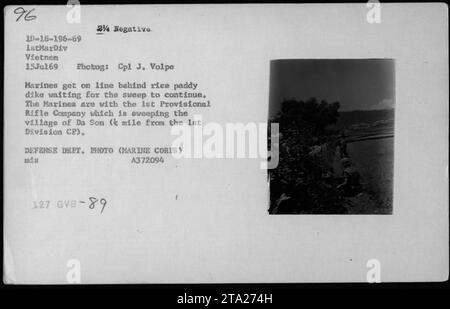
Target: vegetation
[{"x": 303, "y": 182}]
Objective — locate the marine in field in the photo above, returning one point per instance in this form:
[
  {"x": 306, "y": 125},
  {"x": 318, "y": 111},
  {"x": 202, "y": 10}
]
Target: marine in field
[{"x": 351, "y": 185}]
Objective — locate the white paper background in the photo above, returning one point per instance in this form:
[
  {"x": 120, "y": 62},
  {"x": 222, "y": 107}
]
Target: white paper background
[{"x": 218, "y": 228}]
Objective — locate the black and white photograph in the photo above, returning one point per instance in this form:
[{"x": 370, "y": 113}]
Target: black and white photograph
[{"x": 336, "y": 136}]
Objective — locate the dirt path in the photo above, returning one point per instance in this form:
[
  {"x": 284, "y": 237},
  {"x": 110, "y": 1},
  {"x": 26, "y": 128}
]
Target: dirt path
[{"x": 363, "y": 203}]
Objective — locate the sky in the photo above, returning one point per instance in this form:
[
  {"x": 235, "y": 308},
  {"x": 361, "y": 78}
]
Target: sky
[{"x": 357, "y": 84}]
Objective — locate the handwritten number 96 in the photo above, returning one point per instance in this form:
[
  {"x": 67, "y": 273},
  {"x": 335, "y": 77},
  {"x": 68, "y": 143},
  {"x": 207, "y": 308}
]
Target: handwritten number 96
[
  {"x": 25, "y": 13},
  {"x": 94, "y": 201}
]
